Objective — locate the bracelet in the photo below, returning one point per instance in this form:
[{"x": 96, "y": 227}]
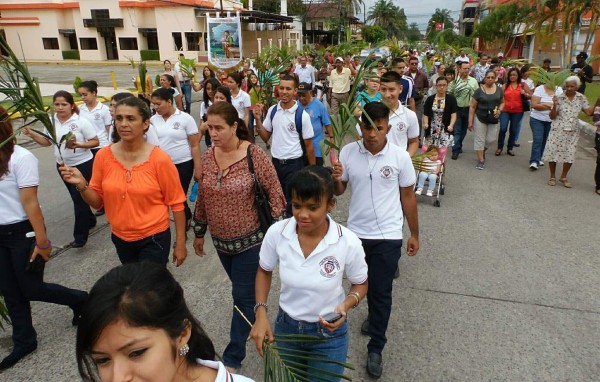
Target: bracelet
[
  {"x": 356, "y": 295},
  {"x": 259, "y": 304},
  {"x": 82, "y": 189},
  {"x": 46, "y": 247}
]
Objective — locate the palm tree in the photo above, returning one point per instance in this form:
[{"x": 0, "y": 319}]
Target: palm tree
[
  {"x": 439, "y": 16},
  {"x": 388, "y": 16}
]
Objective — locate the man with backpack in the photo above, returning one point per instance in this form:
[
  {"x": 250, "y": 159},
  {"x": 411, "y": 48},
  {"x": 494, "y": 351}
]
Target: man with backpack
[{"x": 292, "y": 132}]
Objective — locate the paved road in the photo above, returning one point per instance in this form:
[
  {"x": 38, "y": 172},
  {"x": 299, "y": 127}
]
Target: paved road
[{"x": 504, "y": 288}]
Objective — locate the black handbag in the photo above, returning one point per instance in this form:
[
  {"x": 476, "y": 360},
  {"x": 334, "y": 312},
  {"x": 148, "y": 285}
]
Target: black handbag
[
  {"x": 261, "y": 199},
  {"x": 525, "y": 102}
]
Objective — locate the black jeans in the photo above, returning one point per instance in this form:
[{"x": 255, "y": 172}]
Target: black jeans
[
  {"x": 20, "y": 287},
  {"x": 460, "y": 129},
  {"x": 597, "y": 174},
  {"x": 382, "y": 259},
  {"x": 186, "y": 172},
  {"x": 285, "y": 171},
  {"x": 154, "y": 248},
  {"x": 84, "y": 217}
]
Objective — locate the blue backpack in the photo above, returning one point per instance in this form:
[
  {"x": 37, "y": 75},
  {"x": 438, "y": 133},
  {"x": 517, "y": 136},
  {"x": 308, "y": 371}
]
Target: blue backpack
[{"x": 298, "y": 122}]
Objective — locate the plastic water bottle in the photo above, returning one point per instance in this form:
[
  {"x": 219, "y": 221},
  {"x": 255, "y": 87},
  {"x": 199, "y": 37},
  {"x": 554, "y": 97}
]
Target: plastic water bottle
[{"x": 194, "y": 193}]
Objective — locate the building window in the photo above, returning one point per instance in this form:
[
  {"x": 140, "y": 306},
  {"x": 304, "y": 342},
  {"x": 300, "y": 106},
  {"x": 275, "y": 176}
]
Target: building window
[
  {"x": 177, "y": 40},
  {"x": 152, "y": 38},
  {"x": 128, "y": 43},
  {"x": 50, "y": 43},
  {"x": 193, "y": 40},
  {"x": 320, "y": 26},
  {"x": 313, "y": 26},
  {"x": 88, "y": 43}
]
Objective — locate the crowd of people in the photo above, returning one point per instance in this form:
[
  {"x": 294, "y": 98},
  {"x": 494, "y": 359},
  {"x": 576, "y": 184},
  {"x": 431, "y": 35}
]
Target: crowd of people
[{"x": 135, "y": 160}]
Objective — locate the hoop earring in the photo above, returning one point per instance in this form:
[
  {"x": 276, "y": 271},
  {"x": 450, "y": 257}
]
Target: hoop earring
[{"x": 184, "y": 350}]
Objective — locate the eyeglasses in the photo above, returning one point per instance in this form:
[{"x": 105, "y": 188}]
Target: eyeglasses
[{"x": 414, "y": 63}]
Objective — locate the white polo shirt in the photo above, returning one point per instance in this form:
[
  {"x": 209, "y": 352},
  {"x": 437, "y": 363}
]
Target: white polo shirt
[
  {"x": 22, "y": 173},
  {"x": 83, "y": 131},
  {"x": 99, "y": 117},
  {"x": 286, "y": 141},
  {"x": 375, "y": 208},
  {"x": 173, "y": 135},
  {"x": 241, "y": 102},
  {"x": 405, "y": 125},
  {"x": 312, "y": 286},
  {"x": 306, "y": 74}
]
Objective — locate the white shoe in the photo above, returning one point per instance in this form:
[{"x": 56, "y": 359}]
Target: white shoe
[
  {"x": 429, "y": 193},
  {"x": 419, "y": 191},
  {"x": 533, "y": 166},
  {"x": 540, "y": 163}
]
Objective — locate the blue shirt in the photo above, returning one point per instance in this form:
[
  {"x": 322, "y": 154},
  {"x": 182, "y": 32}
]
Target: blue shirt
[
  {"x": 364, "y": 97},
  {"x": 319, "y": 118}
]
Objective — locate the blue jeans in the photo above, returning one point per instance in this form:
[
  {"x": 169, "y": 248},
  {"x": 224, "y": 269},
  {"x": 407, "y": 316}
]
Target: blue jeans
[
  {"x": 154, "y": 248},
  {"x": 19, "y": 287},
  {"x": 241, "y": 269},
  {"x": 540, "y": 131},
  {"x": 334, "y": 349},
  {"x": 515, "y": 128},
  {"x": 84, "y": 217},
  {"x": 460, "y": 129},
  {"x": 423, "y": 176},
  {"x": 186, "y": 88},
  {"x": 382, "y": 259}
]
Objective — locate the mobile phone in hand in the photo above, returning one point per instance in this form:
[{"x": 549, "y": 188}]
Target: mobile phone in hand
[{"x": 332, "y": 317}]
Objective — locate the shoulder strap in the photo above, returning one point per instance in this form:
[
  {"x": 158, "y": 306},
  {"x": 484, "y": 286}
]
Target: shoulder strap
[
  {"x": 298, "y": 122},
  {"x": 272, "y": 115},
  {"x": 249, "y": 159}
]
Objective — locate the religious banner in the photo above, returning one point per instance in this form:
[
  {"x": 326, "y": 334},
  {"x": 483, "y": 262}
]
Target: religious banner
[{"x": 224, "y": 41}]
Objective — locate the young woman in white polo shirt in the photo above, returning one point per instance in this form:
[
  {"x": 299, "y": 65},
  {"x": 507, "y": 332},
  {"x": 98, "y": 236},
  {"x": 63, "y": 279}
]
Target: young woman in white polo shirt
[
  {"x": 24, "y": 247},
  {"x": 179, "y": 137},
  {"x": 95, "y": 112},
  {"x": 75, "y": 153},
  {"x": 239, "y": 98},
  {"x": 312, "y": 252}
]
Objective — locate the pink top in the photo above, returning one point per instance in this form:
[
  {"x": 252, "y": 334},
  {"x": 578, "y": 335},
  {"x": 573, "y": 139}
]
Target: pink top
[
  {"x": 226, "y": 201},
  {"x": 512, "y": 99}
]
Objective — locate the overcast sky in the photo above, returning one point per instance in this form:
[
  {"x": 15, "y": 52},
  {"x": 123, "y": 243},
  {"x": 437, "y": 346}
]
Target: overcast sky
[{"x": 419, "y": 11}]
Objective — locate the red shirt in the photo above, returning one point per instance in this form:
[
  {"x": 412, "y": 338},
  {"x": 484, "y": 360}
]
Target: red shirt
[{"x": 512, "y": 99}]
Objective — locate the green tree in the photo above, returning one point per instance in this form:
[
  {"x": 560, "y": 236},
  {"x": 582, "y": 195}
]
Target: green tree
[
  {"x": 413, "y": 34},
  {"x": 439, "y": 16},
  {"x": 498, "y": 28},
  {"x": 389, "y": 17},
  {"x": 373, "y": 33},
  {"x": 294, "y": 7}
]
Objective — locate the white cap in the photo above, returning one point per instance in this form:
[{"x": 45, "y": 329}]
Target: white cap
[{"x": 339, "y": 59}]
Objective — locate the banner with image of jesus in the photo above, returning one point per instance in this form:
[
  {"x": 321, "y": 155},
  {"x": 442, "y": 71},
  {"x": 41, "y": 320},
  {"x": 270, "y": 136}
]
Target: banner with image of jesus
[{"x": 224, "y": 41}]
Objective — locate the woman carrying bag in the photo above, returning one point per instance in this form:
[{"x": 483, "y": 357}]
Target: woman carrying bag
[{"x": 225, "y": 204}]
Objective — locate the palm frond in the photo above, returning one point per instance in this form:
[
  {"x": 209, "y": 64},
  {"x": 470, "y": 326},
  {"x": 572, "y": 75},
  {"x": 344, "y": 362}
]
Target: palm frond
[
  {"x": 552, "y": 79},
  {"x": 187, "y": 66}
]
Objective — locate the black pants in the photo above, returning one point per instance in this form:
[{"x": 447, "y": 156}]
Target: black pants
[
  {"x": 285, "y": 171},
  {"x": 597, "y": 174},
  {"x": 20, "y": 287},
  {"x": 382, "y": 259},
  {"x": 84, "y": 217},
  {"x": 186, "y": 171},
  {"x": 154, "y": 248}
]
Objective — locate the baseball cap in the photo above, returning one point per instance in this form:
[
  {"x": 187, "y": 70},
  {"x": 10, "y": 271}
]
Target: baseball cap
[
  {"x": 339, "y": 59},
  {"x": 583, "y": 55},
  {"x": 500, "y": 54},
  {"x": 304, "y": 87}
]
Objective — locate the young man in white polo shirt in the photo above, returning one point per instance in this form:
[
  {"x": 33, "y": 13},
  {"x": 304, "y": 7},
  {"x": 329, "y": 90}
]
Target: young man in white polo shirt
[
  {"x": 286, "y": 149},
  {"x": 404, "y": 131},
  {"x": 382, "y": 179}
]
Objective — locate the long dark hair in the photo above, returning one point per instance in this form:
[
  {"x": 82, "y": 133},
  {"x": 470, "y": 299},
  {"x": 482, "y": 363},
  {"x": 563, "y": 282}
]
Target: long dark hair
[
  {"x": 164, "y": 94},
  {"x": 6, "y": 130},
  {"x": 171, "y": 79},
  {"x": 140, "y": 295},
  {"x": 68, "y": 97},
  {"x": 215, "y": 84},
  {"x": 225, "y": 91},
  {"x": 519, "y": 76},
  {"x": 312, "y": 182},
  {"x": 211, "y": 75},
  {"x": 226, "y": 111},
  {"x": 237, "y": 77},
  {"x": 91, "y": 86},
  {"x": 115, "y": 137}
]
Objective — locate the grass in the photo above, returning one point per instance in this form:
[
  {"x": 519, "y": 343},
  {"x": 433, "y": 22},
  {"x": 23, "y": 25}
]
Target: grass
[{"x": 592, "y": 92}]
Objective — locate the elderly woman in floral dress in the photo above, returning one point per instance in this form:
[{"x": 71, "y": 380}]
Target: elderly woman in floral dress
[{"x": 564, "y": 134}]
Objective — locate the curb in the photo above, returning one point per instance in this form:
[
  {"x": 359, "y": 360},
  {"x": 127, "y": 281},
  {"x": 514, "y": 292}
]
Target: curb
[{"x": 102, "y": 63}]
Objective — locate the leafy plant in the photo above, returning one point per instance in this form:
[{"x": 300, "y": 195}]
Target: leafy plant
[
  {"x": 70, "y": 55},
  {"x": 550, "y": 79},
  {"x": 287, "y": 365},
  {"x": 187, "y": 66},
  {"x": 23, "y": 90},
  {"x": 142, "y": 72},
  {"x": 269, "y": 64},
  {"x": 150, "y": 55},
  {"x": 76, "y": 83}
]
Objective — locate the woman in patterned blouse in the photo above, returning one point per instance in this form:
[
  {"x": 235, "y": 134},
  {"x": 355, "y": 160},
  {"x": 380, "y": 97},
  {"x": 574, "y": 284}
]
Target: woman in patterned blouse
[{"x": 226, "y": 204}]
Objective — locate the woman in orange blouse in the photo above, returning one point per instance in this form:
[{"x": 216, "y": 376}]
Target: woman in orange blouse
[
  {"x": 137, "y": 183},
  {"x": 226, "y": 205}
]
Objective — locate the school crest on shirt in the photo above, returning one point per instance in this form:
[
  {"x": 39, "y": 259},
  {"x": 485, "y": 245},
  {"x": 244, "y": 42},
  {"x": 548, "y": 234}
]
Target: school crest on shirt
[
  {"x": 386, "y": 172},
  {"x": 401, "y": 126},
  {"x": 329, "y": 267},
  {"x": 291, "y": 126},
  {"x": 73, "y": 127},
  {"x": 97, "y": 116},
  {"x": 176, "y": 126}
]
